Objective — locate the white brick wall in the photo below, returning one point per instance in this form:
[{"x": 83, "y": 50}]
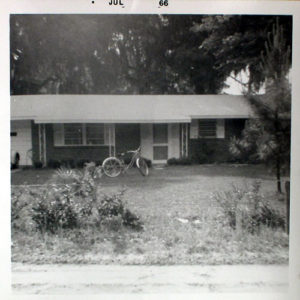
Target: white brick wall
[{"x": 22, "y": 142}]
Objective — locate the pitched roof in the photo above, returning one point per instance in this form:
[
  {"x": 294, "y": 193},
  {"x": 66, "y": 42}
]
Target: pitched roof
[{"x": 127, "y": 108}]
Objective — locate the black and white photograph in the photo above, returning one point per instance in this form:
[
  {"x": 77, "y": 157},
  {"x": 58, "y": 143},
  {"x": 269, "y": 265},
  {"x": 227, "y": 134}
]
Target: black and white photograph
[{"x": 150, "y": 153}]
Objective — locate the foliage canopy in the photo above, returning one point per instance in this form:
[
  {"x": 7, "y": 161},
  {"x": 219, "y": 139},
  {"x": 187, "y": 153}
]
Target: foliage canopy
[{"x": 135, "y": 54}]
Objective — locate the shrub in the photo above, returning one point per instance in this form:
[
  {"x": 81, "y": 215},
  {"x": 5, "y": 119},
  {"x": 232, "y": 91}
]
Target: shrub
[
  {"x": 68, "y": 201},
  {"x": 71, "y": 201},
  {"x": 211, "y": 151},
  {"x": 17, "y": 205},
  {"x": 248, "y": 209},
  {"x": 98, "y": 163},
  {"x": 38, "y": 164},
  {"x": 148, "y": 162},
  {"x": 65, "y": 175},
  {"x": 82, "y": 181},
  {"x": 111, "y": 205},
  {"x": 68, "y": 163},
  {"x": 52, "y": 163},
  {"x": 81, "y": 163},
  {"x": 206, "y": 152},
  {"x": 54, "y": 210},
  {"x": 131, "y": 220},
  {"x": 112, "y": 211},
  {"x": 179, "y": 161}
]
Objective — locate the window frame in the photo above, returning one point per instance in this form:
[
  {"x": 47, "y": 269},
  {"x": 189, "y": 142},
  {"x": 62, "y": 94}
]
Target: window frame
[
  {"x": 83, "y": 126},
  {"x": 215, "y": 129},
  {"x": 220, "y": 129}
]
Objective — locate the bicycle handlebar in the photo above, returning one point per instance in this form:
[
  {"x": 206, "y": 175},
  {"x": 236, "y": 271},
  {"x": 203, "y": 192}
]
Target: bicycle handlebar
[{"x": 131, "y": 151}]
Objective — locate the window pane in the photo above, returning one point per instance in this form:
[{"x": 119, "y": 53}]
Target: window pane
[
  {"x": 160, "y": 152},
  {"x": 160, "y": 133},
  {"x": 95, "y": 134},
  {"x": 207, "y": 128},
  {"x": 73, "y": 134}
]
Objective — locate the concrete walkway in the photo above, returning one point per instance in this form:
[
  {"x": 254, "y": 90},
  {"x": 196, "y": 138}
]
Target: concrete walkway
[{"x": 95, "y": 279}]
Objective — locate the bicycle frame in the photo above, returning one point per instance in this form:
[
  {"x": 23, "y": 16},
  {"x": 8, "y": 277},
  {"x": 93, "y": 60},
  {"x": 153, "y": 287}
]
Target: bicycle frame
[
  {"x": 135, "y": 156},
  {"x": 113, "y": 166}
]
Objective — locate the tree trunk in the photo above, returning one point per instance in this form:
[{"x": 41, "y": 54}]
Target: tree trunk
[
  {"x": 278, "y": 156},
  {"x": 278, "y": 174}
]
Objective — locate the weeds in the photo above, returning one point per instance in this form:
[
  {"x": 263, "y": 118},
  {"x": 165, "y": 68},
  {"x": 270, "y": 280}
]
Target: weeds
[
  {"x": 72, "y": 201},
  {"x": 103, "y": 233},
  {"x": 247, "y": 209}
]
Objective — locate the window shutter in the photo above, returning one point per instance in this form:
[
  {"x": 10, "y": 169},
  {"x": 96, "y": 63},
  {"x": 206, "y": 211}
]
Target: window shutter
[
  {"x": 194, "y": 129},
  {"x": 220, "y": 128},
  {"x": 58, "y": 134}
]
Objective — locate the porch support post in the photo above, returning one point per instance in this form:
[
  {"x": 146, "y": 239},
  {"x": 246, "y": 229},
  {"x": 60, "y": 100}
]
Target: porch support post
[
  {"x": 184, "y": 140},
  {"x": 42, "y": 143},
  {"x": 187, "y": 139},
  {"x": 113, "y": 129},
  {"x": 111, "y": 140}
]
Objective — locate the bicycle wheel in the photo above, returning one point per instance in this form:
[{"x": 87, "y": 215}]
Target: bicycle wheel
[
  {"x": 142, "y": 166},
  {"x": 112, "y": 167}
]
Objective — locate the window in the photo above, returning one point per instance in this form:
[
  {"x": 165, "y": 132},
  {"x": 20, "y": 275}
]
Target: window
[
  {"x": 207, "y": 128},
  {"x": 73, "y": 134},
  {"x": 160, "y": 133},
  {"x": 78, "y": 134}
]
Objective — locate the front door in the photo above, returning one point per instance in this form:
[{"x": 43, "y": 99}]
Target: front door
[
  {"x": 160, "y": 142},
  {"x": 127, "y": 137}
]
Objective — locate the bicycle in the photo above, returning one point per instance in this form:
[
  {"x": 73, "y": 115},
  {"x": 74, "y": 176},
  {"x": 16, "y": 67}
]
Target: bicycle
[{"x": 113, "y": 166}]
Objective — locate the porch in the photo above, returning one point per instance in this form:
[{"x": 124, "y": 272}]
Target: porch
[{"x": 96, "y": 141}]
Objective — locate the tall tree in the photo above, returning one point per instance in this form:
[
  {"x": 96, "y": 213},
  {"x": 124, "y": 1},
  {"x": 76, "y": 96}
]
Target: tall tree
[
  {"x": 134, "y": 54},
  {"x": 236, "y": 41},
  {"x": 267, "y": 137}
]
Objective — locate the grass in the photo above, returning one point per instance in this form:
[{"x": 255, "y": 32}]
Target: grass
[{"x": 182, "y": 223}]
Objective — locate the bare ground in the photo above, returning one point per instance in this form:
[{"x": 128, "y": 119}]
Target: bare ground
[{"x": 95, "y": 279}]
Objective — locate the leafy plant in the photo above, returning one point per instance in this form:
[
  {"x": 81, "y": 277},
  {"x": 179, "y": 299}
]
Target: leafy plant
[
  {"x": 54, "y": 210},
  {"x": 72, "y": 201},
  {"x": 68, "y": 163},
  {"x": 247, "y": 209},
  {"x": 52, "y": 163},
  {"x": 17, "y": 204},
  {"x": 113, "y": 213},
  {"x": 179, "y": 161},
  {"x": 38, "y": 164}
]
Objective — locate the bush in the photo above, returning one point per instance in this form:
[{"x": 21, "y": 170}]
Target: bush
[
  {"x": 81, "y": 163},
  {"x": 179, "y": 161},
  {"x": 17, "y": 205},
  {"x": 112, "y": 211},
  {"x": 212, "y": 151},
  {"x": 71, "y": 201},
  {"x": 52, "y": 163},
  {"x": 54, "y": 210},
  {"x": 68, "y": 201},
  {"x": 38, "y": 164},
  {"x": 148, "y": 162},
  {"x": 248, "y": 209},
  {"x": 98, "y": 163},
  {"x": 68, "y": 163}
]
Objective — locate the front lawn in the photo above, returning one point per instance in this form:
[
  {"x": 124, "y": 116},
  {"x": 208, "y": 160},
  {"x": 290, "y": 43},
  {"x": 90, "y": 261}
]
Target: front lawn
[{"x": 183, "y": 224}]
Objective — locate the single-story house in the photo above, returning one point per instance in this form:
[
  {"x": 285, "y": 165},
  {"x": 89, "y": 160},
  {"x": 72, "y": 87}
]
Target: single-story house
[{"x": 48, "y": 128}]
